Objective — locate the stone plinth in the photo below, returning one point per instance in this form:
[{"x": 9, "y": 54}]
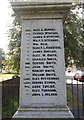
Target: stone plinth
[
  {"x": 43, "y": 82},
  {"x": 43, "y": 112}
]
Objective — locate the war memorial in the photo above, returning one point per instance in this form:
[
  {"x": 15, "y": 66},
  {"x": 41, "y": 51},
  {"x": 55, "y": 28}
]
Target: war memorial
[{"x": 42, "y": 82}]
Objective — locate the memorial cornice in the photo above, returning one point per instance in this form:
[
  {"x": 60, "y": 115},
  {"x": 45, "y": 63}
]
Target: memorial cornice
[
  {"x": 36, "y": 10},
  {"x": 42, "y": 6}
]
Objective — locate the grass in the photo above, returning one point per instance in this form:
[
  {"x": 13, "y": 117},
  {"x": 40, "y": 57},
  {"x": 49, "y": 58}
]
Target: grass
[
  {"x": 72, "y": 101},
  {"x": 10, "y": 108},
  {"x": 4, "y": 77}
]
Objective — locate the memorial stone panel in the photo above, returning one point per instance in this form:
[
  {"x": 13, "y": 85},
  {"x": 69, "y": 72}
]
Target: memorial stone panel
[{"x": 42, "y": 64}]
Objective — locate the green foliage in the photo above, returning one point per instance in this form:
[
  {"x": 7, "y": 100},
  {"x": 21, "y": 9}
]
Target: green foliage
[
  {"x": 73, "y": 39},
  {"x": 14, "y": 46},
  {"x": 3, "y": 55},
  {"x": 72, "y": 100},
  {"x": 10, "y": 108}
]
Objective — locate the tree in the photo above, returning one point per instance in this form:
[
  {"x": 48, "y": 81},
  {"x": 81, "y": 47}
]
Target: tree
[
  {"x": 2, "y": 58},
  {"x": 73, "y": 39},
  {"x": 14, "y": 45}
]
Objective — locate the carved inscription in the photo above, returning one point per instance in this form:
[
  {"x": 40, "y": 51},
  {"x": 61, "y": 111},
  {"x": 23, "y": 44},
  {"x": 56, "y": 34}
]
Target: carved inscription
[{"x": 45, "y": 46}]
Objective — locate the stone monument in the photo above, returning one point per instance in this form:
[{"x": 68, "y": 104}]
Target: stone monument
[{"x": 43, "y": 82}]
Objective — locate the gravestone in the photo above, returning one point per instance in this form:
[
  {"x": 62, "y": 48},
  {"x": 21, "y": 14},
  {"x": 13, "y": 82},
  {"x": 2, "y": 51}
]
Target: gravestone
[{"x": 42, "y": 82}]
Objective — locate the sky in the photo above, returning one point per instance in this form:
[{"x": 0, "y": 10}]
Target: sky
[{"x": 5, "y": 22}]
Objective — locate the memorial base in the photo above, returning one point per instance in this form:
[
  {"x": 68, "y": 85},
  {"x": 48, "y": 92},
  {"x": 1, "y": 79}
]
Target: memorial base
[{"x": 43, "y": 112}]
